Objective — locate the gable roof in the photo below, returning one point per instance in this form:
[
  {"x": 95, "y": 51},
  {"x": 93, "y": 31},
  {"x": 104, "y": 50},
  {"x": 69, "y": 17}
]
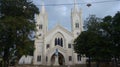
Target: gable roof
[{"x": 58, "y": 26}]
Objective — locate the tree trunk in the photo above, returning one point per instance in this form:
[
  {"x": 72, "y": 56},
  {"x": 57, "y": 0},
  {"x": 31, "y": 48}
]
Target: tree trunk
[
  {"x": 97, "y": 64},
  {"x": 5, "y": 64},
  {"x": 108, "y": 64},
  {"x": 5, "y": 58},
  {"x": 1, "y": 63},
  {"x": 89, "y": 62},
  {"x": 116, "y": 65}
]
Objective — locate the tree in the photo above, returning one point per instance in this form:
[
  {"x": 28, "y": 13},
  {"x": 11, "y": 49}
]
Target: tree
[
  {"x": 111, "y": 25},
  {"x": 16, "y": 27},
  {"x": 93, "y": 42},
  {"x": 86, "y": 42},
  {"x": 115, "y": 36}
]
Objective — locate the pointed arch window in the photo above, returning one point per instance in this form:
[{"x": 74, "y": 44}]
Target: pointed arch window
[
  {"x": 77, "y": 25},
  {"x": 70, "y": 58},
  {"x": 78, "y": 33},
  {"x": 69, "y": 45},
  {"x": 39, "y": 58},
  {"x": 47, "y": 46},
  {"x": 56, "y": 41},
  {"x": 79, "y": 57},
  {"x": 40, "y": 26},
  {"x": 59, "y": 41},
  {"x": 46, "y": 58}
]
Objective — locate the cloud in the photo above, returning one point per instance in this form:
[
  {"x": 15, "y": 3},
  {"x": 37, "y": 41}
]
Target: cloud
[
  {"x": 62, "y": 14},
  {"x": 62, "y": 10}
]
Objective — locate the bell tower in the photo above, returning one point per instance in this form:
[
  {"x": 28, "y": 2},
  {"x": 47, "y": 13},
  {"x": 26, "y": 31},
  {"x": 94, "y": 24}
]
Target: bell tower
[
  {"x": 76, "y": 20},
  {"x": 42, "y": 22},
  {"x": 41, "y": 30}
]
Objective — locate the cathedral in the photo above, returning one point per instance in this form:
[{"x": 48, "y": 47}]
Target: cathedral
[{"x": 55, "y": 47}]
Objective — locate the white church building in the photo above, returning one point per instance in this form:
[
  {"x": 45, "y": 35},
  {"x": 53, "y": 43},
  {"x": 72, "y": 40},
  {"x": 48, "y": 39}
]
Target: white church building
[{"x": 55, "y": 47}]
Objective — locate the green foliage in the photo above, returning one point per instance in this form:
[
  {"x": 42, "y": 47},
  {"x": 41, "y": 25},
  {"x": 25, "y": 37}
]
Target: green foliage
[
  {"x": 16, "y": 27},
  {"x": 101, "y": 40},
  {"x": 87, "y": 40},
  {"x": 92, "y": 23},
  {"x": 24, "y": 8},
  {"x": 115, "y": 34}
]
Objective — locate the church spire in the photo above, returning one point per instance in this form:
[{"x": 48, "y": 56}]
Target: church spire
[
  {"x": 43, "y": 7},
  {"x": 75, "y": 5},
  {"x": 76, "y": 20}
]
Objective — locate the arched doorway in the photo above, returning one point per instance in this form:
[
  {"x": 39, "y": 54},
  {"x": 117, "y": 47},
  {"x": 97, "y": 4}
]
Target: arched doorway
[{"x": 61, "y": 59}]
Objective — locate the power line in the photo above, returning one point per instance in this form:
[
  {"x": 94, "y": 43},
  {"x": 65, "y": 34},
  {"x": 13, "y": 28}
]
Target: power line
[
  {"x": 105, "y": 1},
  {"x": 78, "y": 3}
]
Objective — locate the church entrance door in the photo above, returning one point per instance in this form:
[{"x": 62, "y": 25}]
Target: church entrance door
[{"x": 61, "y": 59}]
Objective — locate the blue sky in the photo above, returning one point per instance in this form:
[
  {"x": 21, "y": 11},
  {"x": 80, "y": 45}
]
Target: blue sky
[{"x": 62, "y": 14}]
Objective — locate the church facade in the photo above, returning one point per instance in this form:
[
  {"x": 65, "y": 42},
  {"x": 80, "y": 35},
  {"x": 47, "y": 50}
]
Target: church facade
[{"x": 55, "y": 47}]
